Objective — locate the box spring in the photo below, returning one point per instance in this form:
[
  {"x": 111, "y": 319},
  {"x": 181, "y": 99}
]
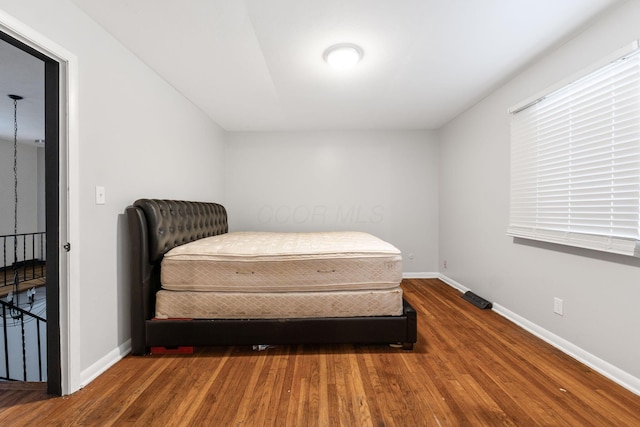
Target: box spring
[{"x": 261, "y": 305}]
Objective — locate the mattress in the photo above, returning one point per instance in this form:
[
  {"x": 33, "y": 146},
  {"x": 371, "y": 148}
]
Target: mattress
[
  {"x": 283, "y": 262},
  {"x": 260, "y": 305}
]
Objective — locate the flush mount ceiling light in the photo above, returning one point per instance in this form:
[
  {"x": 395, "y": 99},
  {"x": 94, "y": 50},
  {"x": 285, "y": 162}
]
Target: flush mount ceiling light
[{"x": 343, "y": 56}]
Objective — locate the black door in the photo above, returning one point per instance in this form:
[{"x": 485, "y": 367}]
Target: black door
[{"x": 52, "y": 198}]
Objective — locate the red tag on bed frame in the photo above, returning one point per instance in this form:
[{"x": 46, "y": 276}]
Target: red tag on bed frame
[{"x": 172, "y": 350}]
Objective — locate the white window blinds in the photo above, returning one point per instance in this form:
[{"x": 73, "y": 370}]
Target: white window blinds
[{"x": 575, "y": 162}]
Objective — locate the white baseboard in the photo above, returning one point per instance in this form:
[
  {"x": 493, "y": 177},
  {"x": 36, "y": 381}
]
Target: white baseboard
[
  {"x": 442, "y": 277},
  {"x": 420, "y": 275},
  {"x": 605, "y": 368},
  {"x": 93, "y": 371},
  {"x": 453, "y": 283}
]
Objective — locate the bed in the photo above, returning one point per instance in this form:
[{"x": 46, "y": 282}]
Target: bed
[{"x": 177, "y": 261}]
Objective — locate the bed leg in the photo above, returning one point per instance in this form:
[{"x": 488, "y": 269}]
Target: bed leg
[{"x": 407, "y": 346}]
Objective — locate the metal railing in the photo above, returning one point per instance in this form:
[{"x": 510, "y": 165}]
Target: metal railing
[
  {"x": 22, "y": 332},
  {"x": 31, "y": 255},
  {"x": 19, "y": 326}
]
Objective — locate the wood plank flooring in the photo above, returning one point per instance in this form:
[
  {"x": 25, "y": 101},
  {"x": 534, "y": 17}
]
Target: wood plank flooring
[
  {"x": 470, "y": 367},
  {"x": 32, "y": 276}
]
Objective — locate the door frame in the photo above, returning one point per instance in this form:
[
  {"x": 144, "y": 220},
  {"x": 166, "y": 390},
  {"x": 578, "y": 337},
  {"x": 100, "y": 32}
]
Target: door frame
[{"x": 61, "y": 162}]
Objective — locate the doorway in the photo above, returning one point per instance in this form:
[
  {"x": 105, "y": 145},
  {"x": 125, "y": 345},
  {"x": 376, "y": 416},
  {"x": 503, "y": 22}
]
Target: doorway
[{"x": 51, "y": 208}]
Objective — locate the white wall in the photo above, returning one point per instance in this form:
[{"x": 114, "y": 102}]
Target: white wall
[
  {"x": 42, "y": 204},
  {"x": 138, "y": 138},
  {"x": 600, "y": 292},
  {"x": 27, "y": 188},
  {"x": 385, "y": 183},
  {"x": 28, "y": 178}
]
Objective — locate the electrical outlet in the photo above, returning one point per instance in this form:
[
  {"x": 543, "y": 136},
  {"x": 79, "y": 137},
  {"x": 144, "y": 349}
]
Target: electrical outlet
[
  {"x": 445, "y": 264},
  {"x": 558, "y": 306}
]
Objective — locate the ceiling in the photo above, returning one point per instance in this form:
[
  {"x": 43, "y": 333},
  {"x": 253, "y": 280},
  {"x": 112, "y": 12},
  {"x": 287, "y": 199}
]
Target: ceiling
[
  {"x": 21, "y": 74},
  {"x": 257, "y": 65}
]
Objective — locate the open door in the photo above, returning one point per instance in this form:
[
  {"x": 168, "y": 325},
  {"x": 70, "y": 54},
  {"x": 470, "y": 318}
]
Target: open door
[{"x": 52, "y": 209}]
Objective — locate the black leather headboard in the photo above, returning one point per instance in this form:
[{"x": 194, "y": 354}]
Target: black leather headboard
[{"x": 171, "y": 223}]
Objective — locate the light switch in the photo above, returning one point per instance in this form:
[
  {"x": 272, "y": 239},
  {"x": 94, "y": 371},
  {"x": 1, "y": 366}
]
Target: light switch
[
  {"x": 101, "y": 196},
  {"x": 558, "y": 306}
]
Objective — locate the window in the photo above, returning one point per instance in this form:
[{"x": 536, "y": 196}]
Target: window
[{"x": 575, "y": 161}]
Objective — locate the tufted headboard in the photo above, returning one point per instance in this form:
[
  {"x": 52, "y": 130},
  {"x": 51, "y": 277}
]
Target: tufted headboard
[
  {"x": 172, "y": 223},
  {"x": 156, "y": 226}
]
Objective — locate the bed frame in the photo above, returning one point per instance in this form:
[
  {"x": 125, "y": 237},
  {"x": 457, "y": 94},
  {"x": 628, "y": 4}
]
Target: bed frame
[{"x": 156, "y": 226}]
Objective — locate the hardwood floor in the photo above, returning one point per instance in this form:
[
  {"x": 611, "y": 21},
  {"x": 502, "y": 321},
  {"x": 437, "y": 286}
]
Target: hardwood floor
[
  {"x": 32, "y": 276},
  {"x": 469, "y": 367}
]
